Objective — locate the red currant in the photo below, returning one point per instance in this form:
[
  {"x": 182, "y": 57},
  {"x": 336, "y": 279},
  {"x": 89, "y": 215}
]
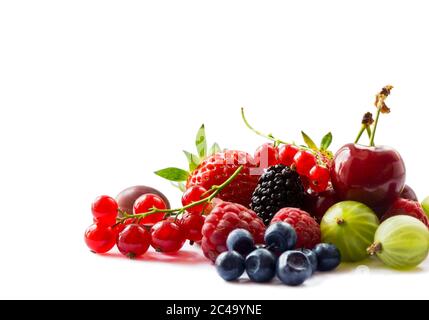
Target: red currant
[
  {"x": 167, "y": 237},
  {"x": 105, "y": 210},
  {"x": 267, "y": 155},
  {"x": 319, "y": 177},
  {"x": 100, "y": 238},
  {"x": 194, "y": 194},
  {"x": 191, "y": 225},
  {"x": 304, "y": 160},
  {"x": 286, "y": 154},
  {"x": 145, "y": 203},
  {"x": 133, "y": 241},
  {"x": 118, "y": 228}
]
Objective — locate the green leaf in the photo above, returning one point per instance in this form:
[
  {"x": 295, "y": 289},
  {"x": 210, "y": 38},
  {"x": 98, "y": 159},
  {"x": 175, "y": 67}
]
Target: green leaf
[
  {"x": 173, "y": 174},
  {"x": 179, "y": 185},
  {"x": 310, "y": 143},
  {"x": 326, "y": 142},
  {"x": 193, "y": 160},
  {"x": 214, "y": 149},
  {"x": 201, "y": 142}
]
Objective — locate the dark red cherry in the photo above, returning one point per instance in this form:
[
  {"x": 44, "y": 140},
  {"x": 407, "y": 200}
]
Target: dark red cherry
[
  {"x": 408, "y": 193},
  {"x": 374, "y": 176},
  {"x": 318, "y": 203}
]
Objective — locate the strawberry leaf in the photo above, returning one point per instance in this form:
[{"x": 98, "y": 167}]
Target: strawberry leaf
[
  {"x": 326, "y": 142},
  {"x": 173, "y": 174},
  {"x": 214, "y": 149},
  {"x": 201, "y": 142},
  {"x": 308, "y": 141},
  {"x": 193, "y": 160}
]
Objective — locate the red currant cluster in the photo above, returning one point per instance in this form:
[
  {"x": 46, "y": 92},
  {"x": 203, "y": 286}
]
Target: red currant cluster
[
  {"x": 132, "y": 236},
  {"x": 310, "y": 164},
  {"x": 152, "y": 223}
]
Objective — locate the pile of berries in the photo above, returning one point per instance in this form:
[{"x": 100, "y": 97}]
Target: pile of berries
[
  {"x": 278, "y": 256},
  {"x": 261, "y": 214},
  {"x": 153, "y": 223}
]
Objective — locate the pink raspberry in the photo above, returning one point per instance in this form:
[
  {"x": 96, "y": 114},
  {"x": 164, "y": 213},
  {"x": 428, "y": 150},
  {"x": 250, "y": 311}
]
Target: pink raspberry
[
  {"x": 307, "y": 229},
  {"x": 223, "y": 219}
]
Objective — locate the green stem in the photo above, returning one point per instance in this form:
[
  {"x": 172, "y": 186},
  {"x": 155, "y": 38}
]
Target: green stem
[
  {"x": 267, "y": 136},
  {"x": 362, "y": 129},
  {"x": 368, "y": 131},
  {"x": 377, "y": 117},
  {"x": 276, "y": 141},
  {"x": 216, "y": 190}
]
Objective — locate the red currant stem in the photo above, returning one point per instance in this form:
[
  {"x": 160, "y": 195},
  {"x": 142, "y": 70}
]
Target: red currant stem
[
  {"x": 209, "y": 191},
  {"x": 204, "y": 209},
  {"x": 276, "y": 141},
  {"x": 177, "y": 211},
  {"x": 117, "y": 223},
  {"x": 121, "y": 212},
  {"x": 377, "y": 117},
  {"x": 267, "y": 136}
]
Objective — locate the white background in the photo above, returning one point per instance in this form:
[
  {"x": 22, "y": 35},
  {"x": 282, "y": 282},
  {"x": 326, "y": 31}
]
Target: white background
[{"x": 96, "y": 95}]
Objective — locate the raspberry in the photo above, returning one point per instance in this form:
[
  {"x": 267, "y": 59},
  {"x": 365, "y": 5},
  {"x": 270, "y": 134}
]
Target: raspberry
[
  {"x": 223, "y": 219},
  {"x": 408, "y": 208},
  {"x": 307, "y": 229},
  {"x": 217, "y": 168}
]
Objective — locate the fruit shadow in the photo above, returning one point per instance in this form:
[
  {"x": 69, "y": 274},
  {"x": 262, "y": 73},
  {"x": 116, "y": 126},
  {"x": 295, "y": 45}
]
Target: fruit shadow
[
  {"x": 371, "y": 264},
  {"x": 183, "y": 257},
  {"x": 275, "y": 282}
]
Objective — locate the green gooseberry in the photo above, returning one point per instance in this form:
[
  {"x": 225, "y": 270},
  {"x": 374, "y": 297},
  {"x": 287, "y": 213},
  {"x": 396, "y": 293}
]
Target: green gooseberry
[
  {"x": 350, "y": 226},
  {"x": 425, "y": 205},
  {"x": 401, "y": 242}
]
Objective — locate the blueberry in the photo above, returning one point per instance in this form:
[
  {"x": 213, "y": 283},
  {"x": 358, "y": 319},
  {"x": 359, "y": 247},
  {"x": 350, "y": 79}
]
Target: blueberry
[
  {"x": 293, "y": 268},
  {"x": 328, "y": 256},
  {"x": 311, "y": 257},
  {"x": 230, "y": 265},
  {"x": 240, "y": 240},
  {"x": 280, "y": 237},
  {"x": 261, "y": 265}
]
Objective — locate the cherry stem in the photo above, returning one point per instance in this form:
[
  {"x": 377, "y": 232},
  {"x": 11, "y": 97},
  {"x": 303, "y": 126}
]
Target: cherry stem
[
  {"x": 377, "y": 117},
  {"x": 381, "y": 108},
  {"x": 368, "y": 131},
  {"x": 216, "y": 190},
  {"x": 361, "y": 131}
]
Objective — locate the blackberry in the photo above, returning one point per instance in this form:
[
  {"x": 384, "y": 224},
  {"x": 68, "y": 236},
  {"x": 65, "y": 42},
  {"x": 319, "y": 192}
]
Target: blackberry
[{"x": 277, "y": 188}]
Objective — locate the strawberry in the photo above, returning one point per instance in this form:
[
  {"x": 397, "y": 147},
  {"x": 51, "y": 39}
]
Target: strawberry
[
  {"x": 219, "y": 167},
  {"x": 213, "y": 167}
]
